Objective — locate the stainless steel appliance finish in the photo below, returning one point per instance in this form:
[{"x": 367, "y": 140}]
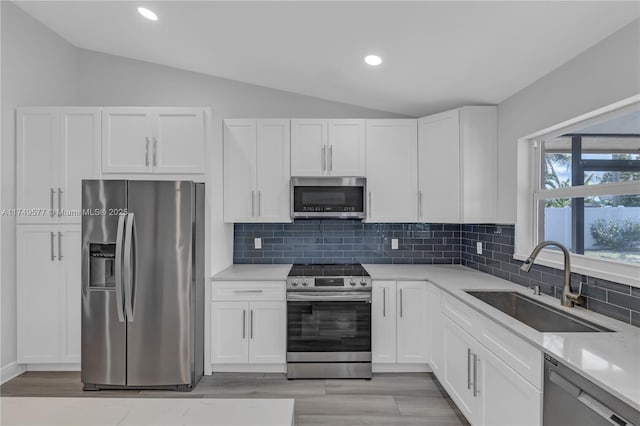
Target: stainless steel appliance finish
[
  {"x": 328, "y": 197},
  {"x": 571, "y": 400},
  {"x": 142, "y": 284},
  {"x": 537, "y": 315},
  {"x": 328, "y": 322}
]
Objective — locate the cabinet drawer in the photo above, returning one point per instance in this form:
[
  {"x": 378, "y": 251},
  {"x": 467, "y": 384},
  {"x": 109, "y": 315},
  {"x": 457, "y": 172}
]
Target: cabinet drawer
[
  {"x": 461, "y": 314},
  {"x": 249, "y": 290},
  {"x": 523, "y": 357}
]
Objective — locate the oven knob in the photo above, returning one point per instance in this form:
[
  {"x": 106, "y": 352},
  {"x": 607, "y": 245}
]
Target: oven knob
[
  {"x": 294, "y": 283},
  {"x": 352, "y": 282},
  {"x": 305, "y": 283},
  {"x": 363, "y": 283}
]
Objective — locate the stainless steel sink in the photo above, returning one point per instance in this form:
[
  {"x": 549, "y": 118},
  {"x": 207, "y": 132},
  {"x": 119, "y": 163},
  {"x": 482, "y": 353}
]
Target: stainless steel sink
[{"x": 535, "y": 314}]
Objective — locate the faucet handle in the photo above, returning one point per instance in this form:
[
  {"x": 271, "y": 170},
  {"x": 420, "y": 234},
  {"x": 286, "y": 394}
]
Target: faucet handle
[{"x": 536, "y": 289}]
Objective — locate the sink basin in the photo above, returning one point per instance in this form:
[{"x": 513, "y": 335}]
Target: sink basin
[{"x": 535, "y": 314}]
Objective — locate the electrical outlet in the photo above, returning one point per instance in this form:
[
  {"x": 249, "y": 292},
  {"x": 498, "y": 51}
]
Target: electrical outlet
[
  {"x": 394, "y": 244},
  {"x": 257, "y": 243},
  {"x": 479, "y": 247}
]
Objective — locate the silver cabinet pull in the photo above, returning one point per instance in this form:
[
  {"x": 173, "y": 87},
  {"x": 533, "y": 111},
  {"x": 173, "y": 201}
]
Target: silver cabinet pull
[
  {"x": 146, "y": 151},
  {"x": 475, "y": 375},
  {"x": 253, "y": 203},
  {"x": 384, "y": 302},
  {"x": 60, "y": 245},
  {"x": 324, "y": 158},
  {"x": 247, "y": 291},
  {"x": 330, "y": 157},
  {"x": 52, "y": 194},
  {"x": 155, "y": 151},
  {"x": 53, "y": 256},
  {"x": 468, "y": 368},
  {"x": 244, "y": 323},
  {"x": 251, "y": 324},
  {"x": 59, "y": 201},
  {"x": 401, "y": 303},
  {"x": 259, "y": 203}
]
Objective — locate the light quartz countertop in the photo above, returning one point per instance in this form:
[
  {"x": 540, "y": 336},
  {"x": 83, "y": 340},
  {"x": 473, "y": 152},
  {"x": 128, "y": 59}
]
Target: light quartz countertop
[
  {"x": 253, "y": 273},
  {"x": 611, "y": 360},
  {"x": 147, "y": 411}
]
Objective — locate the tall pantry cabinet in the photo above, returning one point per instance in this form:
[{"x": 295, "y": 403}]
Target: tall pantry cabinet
[{"x": 56, "y": 149}]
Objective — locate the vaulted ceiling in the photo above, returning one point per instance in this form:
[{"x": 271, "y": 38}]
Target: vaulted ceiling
[{"x": 436, "y": 55}]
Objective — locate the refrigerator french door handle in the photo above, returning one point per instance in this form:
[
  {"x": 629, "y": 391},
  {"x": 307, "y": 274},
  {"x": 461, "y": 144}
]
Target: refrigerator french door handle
[
  {"x": 53, "y": 255},
  {"x": 118, "y": 263},
  {"x": 129, "y": 265},
  {"x": 60, "y": 246},
  {"x": 52, "y": 194},
  {"x": 59, "y": 201}
]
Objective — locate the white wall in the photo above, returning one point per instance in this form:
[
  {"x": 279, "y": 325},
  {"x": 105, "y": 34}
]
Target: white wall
[
  {"x": 606, "y": 73},
  {"x": 38, "y": 68}
]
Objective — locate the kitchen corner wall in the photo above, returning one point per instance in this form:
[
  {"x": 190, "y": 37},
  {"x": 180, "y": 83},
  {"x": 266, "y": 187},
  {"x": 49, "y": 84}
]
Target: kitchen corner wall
[{"x": 351, "y": 241}]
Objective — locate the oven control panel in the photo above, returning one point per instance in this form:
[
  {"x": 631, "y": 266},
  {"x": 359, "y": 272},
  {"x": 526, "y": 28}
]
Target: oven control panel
[{"x": 329, "y": 283}]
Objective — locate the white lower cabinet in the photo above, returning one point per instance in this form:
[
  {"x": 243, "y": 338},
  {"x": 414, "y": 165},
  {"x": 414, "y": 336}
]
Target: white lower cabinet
[
  {"x": 248, "y": 325},
  {"x": 485, "y": 389},
  {"x": 48, "y": 294},
  {"x": 399, "y": 322}
]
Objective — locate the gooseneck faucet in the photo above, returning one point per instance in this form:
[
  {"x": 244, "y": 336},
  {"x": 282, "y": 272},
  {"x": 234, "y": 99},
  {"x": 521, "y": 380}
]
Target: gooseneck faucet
[{"x": 568, "y": 298}]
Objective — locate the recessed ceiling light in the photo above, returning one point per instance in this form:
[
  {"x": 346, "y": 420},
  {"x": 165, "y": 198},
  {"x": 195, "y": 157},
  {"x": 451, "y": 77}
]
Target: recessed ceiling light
[
  {"x": 147, "y": 14},
  {"x": 373, "y": 60}
]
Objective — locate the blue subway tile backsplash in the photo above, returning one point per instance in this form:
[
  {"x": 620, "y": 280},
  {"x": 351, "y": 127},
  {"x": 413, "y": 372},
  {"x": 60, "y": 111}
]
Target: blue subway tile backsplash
[{"x": 352, "y": 241}]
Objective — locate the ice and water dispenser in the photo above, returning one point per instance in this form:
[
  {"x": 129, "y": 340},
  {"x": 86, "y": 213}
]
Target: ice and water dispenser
[{"x": 102, "y": 265}]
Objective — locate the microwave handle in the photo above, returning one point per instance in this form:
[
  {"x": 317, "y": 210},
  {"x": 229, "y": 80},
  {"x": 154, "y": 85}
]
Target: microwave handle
[{"x": 369, "y": 200}]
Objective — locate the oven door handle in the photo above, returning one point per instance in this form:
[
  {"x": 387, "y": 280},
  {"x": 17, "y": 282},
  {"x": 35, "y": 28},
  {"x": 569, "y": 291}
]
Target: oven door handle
[{"x": 328, "y": 297}]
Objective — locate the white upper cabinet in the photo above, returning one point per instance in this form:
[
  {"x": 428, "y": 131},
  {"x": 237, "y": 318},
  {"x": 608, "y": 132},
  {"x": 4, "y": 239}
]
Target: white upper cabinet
[
  {"x": 392, "y": 170},
  {"x": 457, "y": 153},
  {"x": 57, "y": 148},
  {"x": 256, "y": 170},
  {"x": 327, "y": 147},
  {"x": 153, "y": 140}
]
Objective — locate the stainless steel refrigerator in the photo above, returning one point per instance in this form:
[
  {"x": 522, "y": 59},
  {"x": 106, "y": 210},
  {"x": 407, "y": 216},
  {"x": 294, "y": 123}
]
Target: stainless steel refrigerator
[{"x": 142, "y": 284}]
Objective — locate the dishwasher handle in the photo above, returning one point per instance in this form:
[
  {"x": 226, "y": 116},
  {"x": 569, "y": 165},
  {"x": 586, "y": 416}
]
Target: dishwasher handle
[{"x": 596, "y": 406}]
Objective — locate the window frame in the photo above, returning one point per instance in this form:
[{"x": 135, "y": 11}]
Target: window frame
[{"x": 530, "y": 192}]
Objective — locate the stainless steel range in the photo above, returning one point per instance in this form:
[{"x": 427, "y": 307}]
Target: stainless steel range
[{"x": 328, "y": 322}]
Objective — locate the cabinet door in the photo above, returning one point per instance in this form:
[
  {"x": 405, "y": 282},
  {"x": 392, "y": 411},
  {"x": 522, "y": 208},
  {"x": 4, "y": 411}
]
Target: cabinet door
[
  {"x": 383, "y": 322},
  {"x": 267, "y": 332},
  {"x": 69, "y": 250},
  {"x": 79, "y": 154},
  {"x": 273, "y": 171},
  {"x": 479, "y": 164},
  {"x": 239, "y": 170},
  {"x": 392, "y": 175},
  {"x": 308, "y": 147},
  {"x": 178, "y": 141},
  {"x": 435, "y": 341},
  {"x": 126, "y": 140},
  {"x": 345, "y": 148},
  {"x": 412, "y": 322},
  {"x": 458, "y": 369},
  {"x": 38, "y": 294},
  {"x": 230, "y": 337},
  {"x": 439, "y": 168},
  {"x": 506, "y": 398},
  {"x": 37, "y": 163}
]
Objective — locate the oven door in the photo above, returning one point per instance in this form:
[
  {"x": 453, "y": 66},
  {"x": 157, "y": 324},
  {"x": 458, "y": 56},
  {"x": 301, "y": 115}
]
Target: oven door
[{"x": 329, "y": 327}]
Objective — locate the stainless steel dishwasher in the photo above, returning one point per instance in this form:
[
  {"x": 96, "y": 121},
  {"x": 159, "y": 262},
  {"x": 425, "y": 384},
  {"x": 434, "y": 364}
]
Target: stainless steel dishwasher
[{"x": 570, "y": 399}]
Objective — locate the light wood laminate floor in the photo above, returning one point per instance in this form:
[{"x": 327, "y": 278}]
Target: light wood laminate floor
[{"x": 387, "y": 399}]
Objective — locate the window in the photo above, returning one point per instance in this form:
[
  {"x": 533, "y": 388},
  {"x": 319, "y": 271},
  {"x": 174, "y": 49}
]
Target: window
[{"x": 579, "y": 184}]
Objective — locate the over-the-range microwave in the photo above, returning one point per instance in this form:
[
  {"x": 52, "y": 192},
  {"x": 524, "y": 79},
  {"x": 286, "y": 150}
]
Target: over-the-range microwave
[{"x": 328, "y": 197}]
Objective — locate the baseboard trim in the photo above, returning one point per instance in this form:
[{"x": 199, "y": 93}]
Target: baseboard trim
[
  {"x": 53, "y": 367},
  {"x": 10, "y": 371},
  {"x": 249, "y": 368},
  {"x": 401, "y": 368}
]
